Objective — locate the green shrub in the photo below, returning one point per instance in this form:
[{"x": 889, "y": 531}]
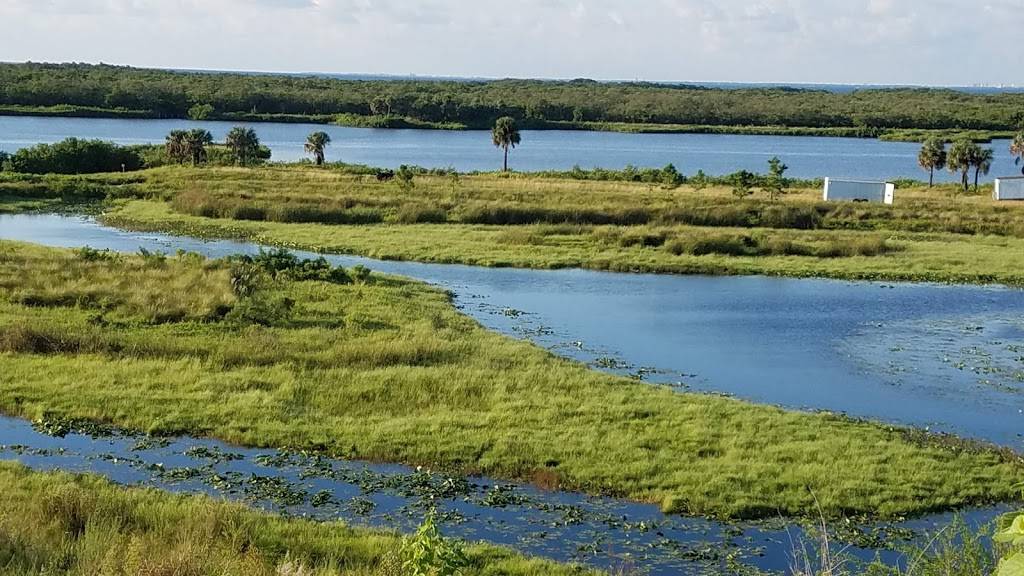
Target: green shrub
[{"x": 74, "y": 156}]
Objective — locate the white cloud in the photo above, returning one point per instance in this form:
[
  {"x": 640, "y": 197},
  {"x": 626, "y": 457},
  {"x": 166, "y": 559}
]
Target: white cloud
[{"x": 914, "y": 41}]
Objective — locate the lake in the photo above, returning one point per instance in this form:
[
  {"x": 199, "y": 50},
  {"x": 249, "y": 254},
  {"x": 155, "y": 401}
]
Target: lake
[{"x": 807, "y": 157}]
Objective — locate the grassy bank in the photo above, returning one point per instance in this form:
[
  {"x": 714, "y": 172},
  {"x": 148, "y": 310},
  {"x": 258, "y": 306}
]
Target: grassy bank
[
  {"x": 81, "y": 525},
  {"x": 558, "y": 222},
  {"x": 387, "y": 370}
]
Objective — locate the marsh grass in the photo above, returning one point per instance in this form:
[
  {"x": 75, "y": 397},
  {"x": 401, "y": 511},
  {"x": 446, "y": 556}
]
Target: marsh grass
[
  {"x": 386, "y": 369},
  {"x": 338, "y": 196},
  {"x": 148, "y": 287},
  {"x": 83, "y": 526},
  {"x": 952, "y": 550}
]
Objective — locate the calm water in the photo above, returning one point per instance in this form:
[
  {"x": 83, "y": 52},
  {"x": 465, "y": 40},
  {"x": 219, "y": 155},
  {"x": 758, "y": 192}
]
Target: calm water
[
  {"x": 950, "y": 358},
  {"x": 807, "y": 157}
]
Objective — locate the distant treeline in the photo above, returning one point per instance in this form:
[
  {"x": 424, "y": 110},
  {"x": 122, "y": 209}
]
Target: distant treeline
[{"x": 112, "y": 90}]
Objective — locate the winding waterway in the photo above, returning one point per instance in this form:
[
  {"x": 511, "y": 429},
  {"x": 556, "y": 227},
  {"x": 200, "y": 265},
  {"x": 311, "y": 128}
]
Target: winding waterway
[
  {"x": 807, "y": 157},
  {"x": 950, "y": 358}
]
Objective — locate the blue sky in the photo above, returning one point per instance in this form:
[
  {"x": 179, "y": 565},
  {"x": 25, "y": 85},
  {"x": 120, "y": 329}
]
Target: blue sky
[{"x": 961, "y": 42}]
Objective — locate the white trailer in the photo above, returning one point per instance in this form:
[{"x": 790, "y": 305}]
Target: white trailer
[
  {"x": 858, "y": 191},
  {"x": 1011, "y": 188}
]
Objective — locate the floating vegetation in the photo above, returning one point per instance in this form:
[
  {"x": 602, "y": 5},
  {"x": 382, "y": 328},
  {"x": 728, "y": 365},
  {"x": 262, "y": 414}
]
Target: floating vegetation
[
  {"x": 59, "y": 427},
  {"x": 361, "y": 506},
  {"x": 274, "y": 489},
  {"x": 608, "y": 363},
  {"x": 213, "y": 454},
  {"x": 560, "y": 525},
  {"x": 151, "y": 443}
]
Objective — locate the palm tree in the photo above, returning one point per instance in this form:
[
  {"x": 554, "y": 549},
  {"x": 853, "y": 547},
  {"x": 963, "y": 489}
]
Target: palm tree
[
  {"x": 315, "y": 144},
  {"x": 982, "y": 163},
  {"x": 932, "y": 157},
  {"x": 176, "y": 146},
  {"x": 961, "y": 158},
  {"x": 1017, "y": 149},
  {"x": 505, "y": 135},
  {"x": 196, "y": 141},
  {"x": 243, "y": 143}
]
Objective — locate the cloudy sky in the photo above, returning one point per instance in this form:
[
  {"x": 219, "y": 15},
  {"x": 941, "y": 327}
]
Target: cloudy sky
[{"x": 961, "y": 42}]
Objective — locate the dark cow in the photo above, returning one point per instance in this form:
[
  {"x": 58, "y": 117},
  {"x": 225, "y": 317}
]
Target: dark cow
[{"x": 385, "y": 175}]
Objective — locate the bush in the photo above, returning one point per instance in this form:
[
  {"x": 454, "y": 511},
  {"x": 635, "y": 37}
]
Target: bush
[{"x": 74, "y": 156}]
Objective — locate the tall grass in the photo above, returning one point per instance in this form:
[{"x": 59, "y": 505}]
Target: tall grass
[
  {"x": 82, "y": 526},
  {"x": 343, "y": 196}
]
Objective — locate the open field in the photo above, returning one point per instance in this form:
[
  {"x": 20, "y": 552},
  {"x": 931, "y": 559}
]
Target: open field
[
  {"x": 82, "y": 525},
  {"x": 273, "y": 354},
  {"x": 558, "y": 222}
]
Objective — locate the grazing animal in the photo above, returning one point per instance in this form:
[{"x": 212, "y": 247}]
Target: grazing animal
[{"x": 385, "y": 175}]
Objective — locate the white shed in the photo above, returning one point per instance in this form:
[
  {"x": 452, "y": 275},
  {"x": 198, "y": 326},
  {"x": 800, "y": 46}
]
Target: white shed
[
  {"x": 1011, "y": 188},
  {"x": 859, "y": 191}
]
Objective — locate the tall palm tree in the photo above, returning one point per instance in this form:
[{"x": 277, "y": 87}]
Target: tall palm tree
[
  {"x": 932, "y": 157},
  {"x": 961, "y": 157},
  {"x": 505, "y": 135},
  {"x": 315, "y": 144},
  {"x": 196, "y": 141},
  {"x": 982, "y": 163},
  {"x": 176, "y": 146},
  {"x": 1017, "y": 149},
  {"x": 243, "y": 143}
]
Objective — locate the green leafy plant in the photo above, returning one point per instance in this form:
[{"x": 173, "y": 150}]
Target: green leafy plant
[
  {"x": 428, "y": 553},
  {"x": 1011, "y": 535}
]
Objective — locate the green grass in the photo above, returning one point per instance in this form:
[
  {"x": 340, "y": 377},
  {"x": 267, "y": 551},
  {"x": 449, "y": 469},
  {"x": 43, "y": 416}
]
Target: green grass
[
  {"x": 388, "y": 370},
  {"x": 848, "y": 254},
  {"x": 557, "y": 222},
  {"x": 60, "y": 524}
]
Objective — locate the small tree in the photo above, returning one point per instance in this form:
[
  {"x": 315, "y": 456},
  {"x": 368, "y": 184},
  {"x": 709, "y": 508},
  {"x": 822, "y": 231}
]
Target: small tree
[
  {"x": 176, "y": 146},
  {"x": 670, "y": 177},
  {"x": 315, "y": 144},
  {"x": 983, "y": 159},
  {"x": 742, "y": 184},
  {"x": 244, "y": 145},
  {"x": 505, "y": 135},
  {"x": 700, "y": 180},
  {"x": 932, "y": 157},
  {"x": 200, "y": 112},
  {"x": 776, "y": 184},
  {"x": 1017, "y": 149},
  {"x": 404, "y": 177},
  {"x": 961, "y": 157},
  {"x": 196, "y": 141}
]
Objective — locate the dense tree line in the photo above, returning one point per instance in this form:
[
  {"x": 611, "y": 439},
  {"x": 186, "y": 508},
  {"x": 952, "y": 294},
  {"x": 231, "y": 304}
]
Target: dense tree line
[{"x": 168, "y": 94}]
